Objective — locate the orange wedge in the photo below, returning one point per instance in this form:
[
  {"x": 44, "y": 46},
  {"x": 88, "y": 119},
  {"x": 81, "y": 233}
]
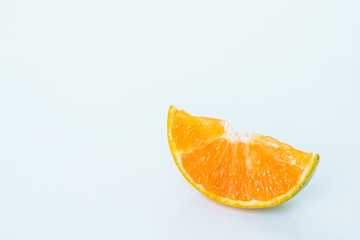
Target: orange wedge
[{"x": 240, "y": 170}]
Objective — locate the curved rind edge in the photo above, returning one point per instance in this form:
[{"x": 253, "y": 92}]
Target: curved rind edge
[{"x": 240, "y": 204}]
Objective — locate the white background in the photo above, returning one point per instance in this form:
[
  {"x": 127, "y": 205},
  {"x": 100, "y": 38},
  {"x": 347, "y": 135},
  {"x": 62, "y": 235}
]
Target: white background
[{"x": 85, "y": 88}]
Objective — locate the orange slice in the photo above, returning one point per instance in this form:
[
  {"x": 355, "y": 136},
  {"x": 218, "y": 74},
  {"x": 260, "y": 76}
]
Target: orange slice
[{"x": 240, "y": 170}]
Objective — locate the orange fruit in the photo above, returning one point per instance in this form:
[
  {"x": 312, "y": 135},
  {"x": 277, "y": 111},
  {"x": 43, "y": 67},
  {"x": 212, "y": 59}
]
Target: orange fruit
[{"x": 240, "y": 170}]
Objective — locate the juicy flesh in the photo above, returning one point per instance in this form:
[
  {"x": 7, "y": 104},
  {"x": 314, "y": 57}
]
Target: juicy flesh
[{"x": 261, "y": 168}]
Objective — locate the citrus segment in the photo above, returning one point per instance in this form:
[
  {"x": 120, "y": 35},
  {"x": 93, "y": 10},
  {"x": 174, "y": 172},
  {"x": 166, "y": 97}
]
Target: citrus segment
[
  {"x": 241, "y": 170},
  {"x": 191, "y": 132}
]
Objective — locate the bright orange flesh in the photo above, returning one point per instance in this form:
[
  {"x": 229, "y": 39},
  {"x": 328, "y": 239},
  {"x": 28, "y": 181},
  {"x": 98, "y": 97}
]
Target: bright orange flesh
[
  {"x": 258, "y": 168},
  {"x": 199, "y": 131}
]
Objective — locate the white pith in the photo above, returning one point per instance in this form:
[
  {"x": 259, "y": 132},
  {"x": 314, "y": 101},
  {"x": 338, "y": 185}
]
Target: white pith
[{"x": 234, "y": 136}]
